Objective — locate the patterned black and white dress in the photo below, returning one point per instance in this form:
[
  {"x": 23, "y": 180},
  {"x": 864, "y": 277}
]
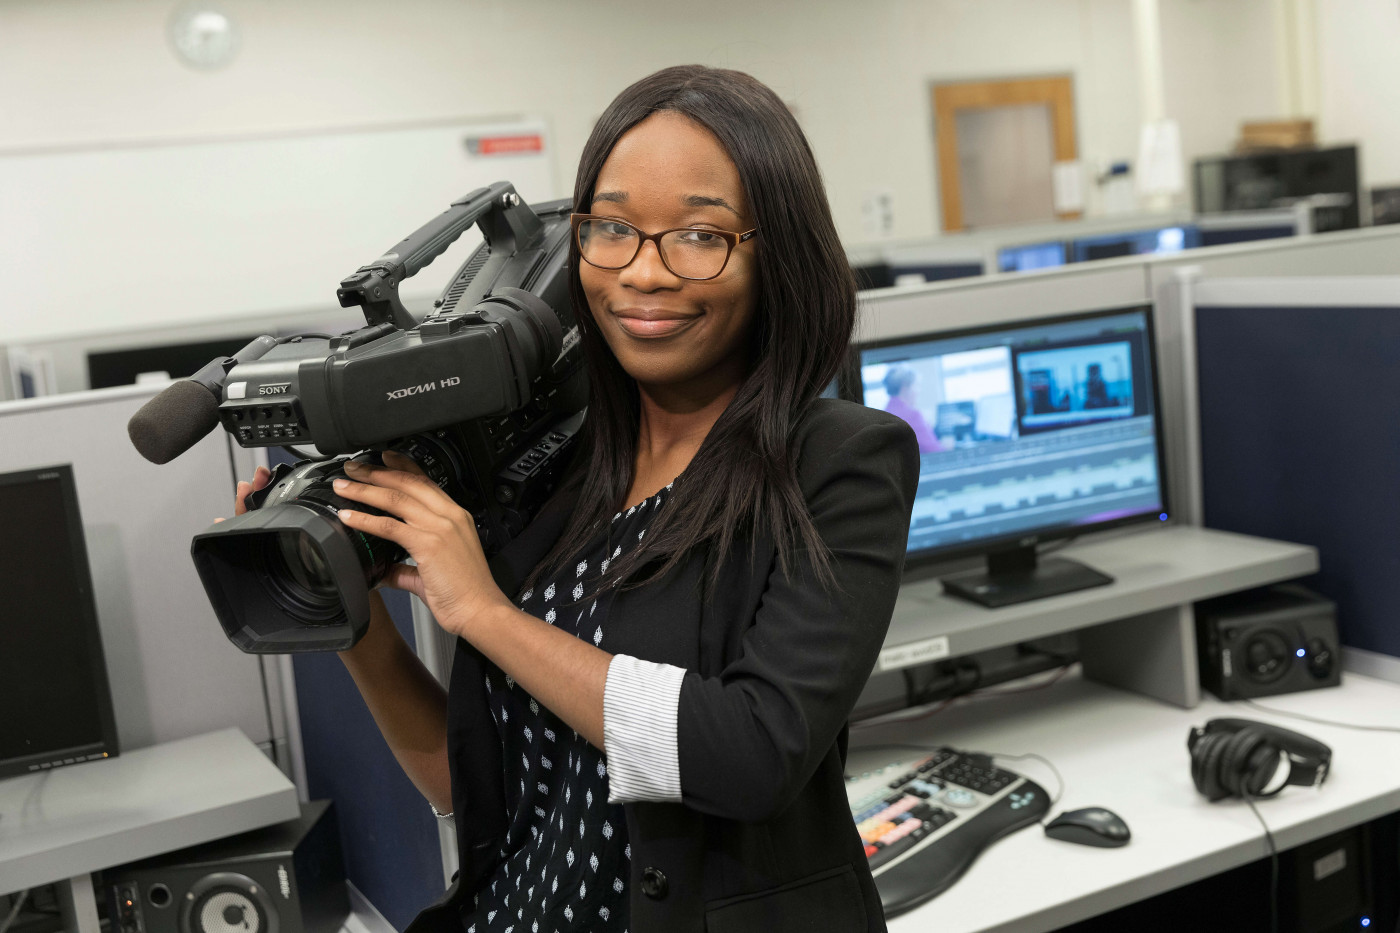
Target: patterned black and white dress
[{"x": 565, "y": 863}]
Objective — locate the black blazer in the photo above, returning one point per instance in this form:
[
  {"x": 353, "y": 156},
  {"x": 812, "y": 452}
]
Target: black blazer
[{"x": 764, "y": 840}]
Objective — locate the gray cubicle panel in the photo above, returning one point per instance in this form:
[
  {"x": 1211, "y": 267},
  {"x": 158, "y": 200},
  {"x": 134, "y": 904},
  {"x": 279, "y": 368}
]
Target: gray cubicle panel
[
  {"x": 1299, "y": 402},
  {"x": 1369, "y": 251},
  {"x": 899, "y": 312},
  {"x": 69, "y": 355},
  {"x": 172, "y": 671}
]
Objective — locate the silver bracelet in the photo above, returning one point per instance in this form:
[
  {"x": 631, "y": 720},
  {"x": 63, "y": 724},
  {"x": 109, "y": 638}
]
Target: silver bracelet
[{"x": 439, "y": 814}]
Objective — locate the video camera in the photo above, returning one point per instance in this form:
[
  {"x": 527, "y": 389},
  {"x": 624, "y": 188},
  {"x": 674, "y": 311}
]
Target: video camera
[{"x": 485, "y": 394}]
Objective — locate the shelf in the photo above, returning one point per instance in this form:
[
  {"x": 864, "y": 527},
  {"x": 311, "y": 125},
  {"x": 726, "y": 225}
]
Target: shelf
[
  {"x": 68, "y": 822},
  {"x": 1152, "y": 570}
]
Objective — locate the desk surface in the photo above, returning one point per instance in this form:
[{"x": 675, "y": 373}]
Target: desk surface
[
  {"x": 1128, "y": 753},
  {"x": 70, "y": 821},
  {"x": 1152, "y": 568}
]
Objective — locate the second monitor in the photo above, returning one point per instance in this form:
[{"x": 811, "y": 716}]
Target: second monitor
[
  {"x": 1028, "y": 431},
  {"x": 1135, "y": 243}
]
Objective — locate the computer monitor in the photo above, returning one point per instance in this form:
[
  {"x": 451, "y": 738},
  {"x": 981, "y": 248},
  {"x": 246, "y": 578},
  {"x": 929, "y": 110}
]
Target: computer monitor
[
  {"x": 1172, "y": 239},
  {"x": 1063, "y": 439},
  {"x": 1030, "y": 256},
  {"x": 108, "y": 368},
  {"x": 1262, "y": 180},
  {"x": 54, "y": 694},
  {"x": 872, "y": 275},
  {"x": 916, "y": 273},
  {"x": 1223, "y": 236},
  {"x": 1385, "y": 206}
]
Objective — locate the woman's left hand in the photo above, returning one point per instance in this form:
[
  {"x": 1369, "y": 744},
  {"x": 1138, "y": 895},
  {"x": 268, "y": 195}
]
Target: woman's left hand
[{"x": 452, "y": 576}]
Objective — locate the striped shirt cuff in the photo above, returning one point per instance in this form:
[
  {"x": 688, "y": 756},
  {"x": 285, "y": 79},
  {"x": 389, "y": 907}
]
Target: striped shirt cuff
[{"x": 641, "y": 701}]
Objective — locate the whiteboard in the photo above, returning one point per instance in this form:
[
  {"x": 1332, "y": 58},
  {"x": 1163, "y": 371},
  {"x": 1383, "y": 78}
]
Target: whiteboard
[{"x": 111, "y": 239}]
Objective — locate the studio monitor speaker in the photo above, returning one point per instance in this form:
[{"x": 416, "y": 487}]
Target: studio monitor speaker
[
  {"x": 288, "y": 878},
  {"x": 1280, "y": 639}
]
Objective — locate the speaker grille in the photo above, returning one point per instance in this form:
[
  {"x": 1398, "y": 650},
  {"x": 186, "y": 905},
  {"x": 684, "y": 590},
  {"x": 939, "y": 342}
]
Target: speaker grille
[
  {"x": 228, "y": 902},
  {"x": 228, "y": 911}
]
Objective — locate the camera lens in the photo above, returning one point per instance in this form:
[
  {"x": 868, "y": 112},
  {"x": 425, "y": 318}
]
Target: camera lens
[
  {"x": 300, "y": 581},
  {"x": 304, "y": 562}
]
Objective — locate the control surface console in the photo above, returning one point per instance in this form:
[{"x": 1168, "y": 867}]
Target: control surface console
[{"x": 924, "y": 820}]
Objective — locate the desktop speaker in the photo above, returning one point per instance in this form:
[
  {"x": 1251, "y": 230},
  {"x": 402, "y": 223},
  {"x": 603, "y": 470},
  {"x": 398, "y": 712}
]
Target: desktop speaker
[
  {"x": 288, "y": 878},
  {"x": 1280, "y": 639},
  {"x": 1327, "y": 885}
]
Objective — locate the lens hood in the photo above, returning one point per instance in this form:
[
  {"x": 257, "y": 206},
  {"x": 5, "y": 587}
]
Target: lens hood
[{"x": 254, "y": 599}]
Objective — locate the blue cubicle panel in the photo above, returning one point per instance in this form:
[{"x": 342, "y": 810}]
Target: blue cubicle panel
[
  {"x": 388, "y": 833},
  {"x": 1300, "y": 441}
]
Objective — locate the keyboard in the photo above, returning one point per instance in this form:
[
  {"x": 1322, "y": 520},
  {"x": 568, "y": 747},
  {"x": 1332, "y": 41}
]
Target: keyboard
[{"x": 926, "y": 818}]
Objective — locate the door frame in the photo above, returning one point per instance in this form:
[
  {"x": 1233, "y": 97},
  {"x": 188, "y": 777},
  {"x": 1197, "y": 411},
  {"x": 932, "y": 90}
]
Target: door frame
[{"x": 1056, "y": 92}]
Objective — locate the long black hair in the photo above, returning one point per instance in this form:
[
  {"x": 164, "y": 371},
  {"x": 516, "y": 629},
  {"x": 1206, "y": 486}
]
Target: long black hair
[{"x": 743, "y": 478}]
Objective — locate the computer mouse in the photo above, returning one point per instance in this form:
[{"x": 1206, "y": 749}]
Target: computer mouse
[{"x": 1091, "y": 826}]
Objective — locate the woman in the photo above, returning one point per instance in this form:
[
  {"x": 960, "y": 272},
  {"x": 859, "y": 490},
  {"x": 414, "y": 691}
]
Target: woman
[
  {"x": 700, "y": 604},
  {"x": 903, "y": 402}
]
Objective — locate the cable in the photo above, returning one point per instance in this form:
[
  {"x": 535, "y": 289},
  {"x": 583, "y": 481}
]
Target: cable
[
  {"x": 938, "y": 707},
  {"x": 1320, "y": 722},
  {"x": 1273, "y": 864},
  {"x": 14, "y": 911},
  {"x": 1059, "y": 672},
  {"x": 267, "y": 708},
  {"x": 1059, "y": 779}
]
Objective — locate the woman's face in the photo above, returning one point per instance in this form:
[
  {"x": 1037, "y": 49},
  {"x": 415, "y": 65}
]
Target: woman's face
[{"x": 670, "y": 333}]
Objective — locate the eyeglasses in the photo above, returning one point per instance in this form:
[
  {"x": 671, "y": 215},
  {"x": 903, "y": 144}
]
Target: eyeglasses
[{"x": 695, "y": 253}]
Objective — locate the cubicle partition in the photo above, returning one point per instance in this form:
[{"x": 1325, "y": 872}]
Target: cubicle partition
[
  {"x": 1369, "y": 251},
  {"x": 1300, "y": 431},
  {"x": 172, "y": 671}
]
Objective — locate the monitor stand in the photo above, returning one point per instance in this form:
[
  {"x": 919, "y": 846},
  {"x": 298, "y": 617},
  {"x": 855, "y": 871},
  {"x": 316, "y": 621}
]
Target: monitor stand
[{"x": 1018, "y": 576}]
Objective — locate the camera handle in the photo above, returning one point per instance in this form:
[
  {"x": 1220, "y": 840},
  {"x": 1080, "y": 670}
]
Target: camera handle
[{"x": 507, "y": 222}]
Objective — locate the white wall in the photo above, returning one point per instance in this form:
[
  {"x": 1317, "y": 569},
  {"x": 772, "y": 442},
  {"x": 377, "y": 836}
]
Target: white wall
[
  {"x": 92, "y": 73},
  {"x": 1359, "y": 77},
  {"x": 1219, "y": 59},
  {"x": 97, "y": 73}
]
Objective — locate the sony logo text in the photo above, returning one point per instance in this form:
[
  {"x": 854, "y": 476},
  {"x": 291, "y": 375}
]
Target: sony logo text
[
  {"x": 425, "y": 387},
  {"x": 279, "y": 389}
]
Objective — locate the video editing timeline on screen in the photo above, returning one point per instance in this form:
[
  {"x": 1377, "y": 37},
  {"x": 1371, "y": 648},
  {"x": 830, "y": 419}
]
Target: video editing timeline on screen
[{"x": 1024, "y": 428}]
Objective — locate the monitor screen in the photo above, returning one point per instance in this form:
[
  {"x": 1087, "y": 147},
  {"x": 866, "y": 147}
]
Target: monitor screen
[
  {"x": 917, "y": 273},
  {"x": 1136, "y": 243},
  {"x": 872, "y": 275},
  {"x": 53, "y": 678},
  {"x": 1033, "y": 429},
  {"x": 1031, "y": 256},
  {"x": 107, "y": 368},
  {"x": 1223, "y": 236}
]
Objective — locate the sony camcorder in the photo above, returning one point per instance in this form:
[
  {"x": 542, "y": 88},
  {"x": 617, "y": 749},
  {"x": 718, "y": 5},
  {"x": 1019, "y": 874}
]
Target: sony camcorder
[{"x": 485, "y": 394}]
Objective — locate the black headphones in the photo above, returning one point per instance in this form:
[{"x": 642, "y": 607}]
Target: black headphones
[{"x": 1240, "y": 757}]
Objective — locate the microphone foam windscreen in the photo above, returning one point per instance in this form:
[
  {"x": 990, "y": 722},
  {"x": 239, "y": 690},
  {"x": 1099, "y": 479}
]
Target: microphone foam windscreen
[{"x": 173, "y": 421}]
